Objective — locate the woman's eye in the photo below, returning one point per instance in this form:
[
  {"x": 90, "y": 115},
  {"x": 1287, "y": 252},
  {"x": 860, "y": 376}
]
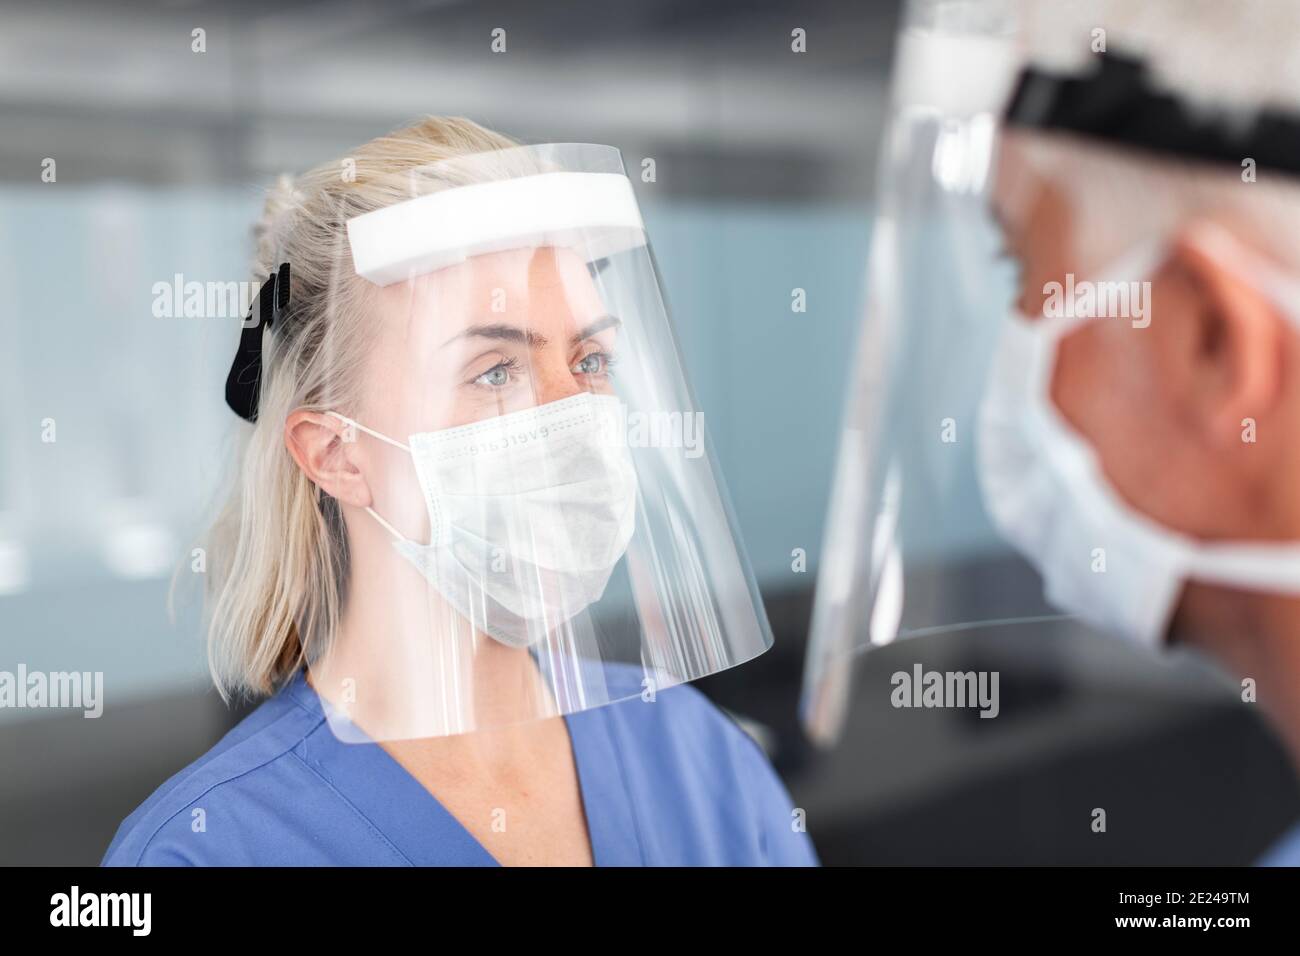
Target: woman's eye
[
  {"x": 594, "y": 364},
  {"x": 495, "y": 377}
]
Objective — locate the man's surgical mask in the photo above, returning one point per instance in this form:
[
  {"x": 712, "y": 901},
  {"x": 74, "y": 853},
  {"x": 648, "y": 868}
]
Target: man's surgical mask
[
  {"x": 1044, "y": 487},
  {"x": 529, "y": 513}
]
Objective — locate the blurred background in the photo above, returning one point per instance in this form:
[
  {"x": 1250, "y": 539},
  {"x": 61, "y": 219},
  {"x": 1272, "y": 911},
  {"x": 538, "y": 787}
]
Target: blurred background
[{"x": 114, "y": 436}]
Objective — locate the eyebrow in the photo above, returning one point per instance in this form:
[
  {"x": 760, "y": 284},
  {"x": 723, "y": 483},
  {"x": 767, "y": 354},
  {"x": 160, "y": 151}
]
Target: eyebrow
[
  {"x": 503, "y": 332},
  {"x": 599, "y": 324},
  {"x": 513, "y": 333}
]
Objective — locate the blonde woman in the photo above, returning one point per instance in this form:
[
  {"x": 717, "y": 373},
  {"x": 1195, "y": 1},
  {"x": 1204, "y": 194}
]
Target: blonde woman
[{"x": 475, "y": 540}]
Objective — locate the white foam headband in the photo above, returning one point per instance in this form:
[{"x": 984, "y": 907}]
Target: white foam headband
[
  {"x": 593, "y": 213},
  {"x": 954, "y": 74}
]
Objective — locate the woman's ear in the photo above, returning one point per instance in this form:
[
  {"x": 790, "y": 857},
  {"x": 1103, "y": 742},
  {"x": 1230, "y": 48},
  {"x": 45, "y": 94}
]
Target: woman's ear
[
  {"x": 1236, "y": 337},
  {"x": 323, "y": 447}
]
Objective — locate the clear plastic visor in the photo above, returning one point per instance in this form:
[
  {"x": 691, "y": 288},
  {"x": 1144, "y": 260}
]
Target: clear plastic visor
[{"x": 532, "y": 518}]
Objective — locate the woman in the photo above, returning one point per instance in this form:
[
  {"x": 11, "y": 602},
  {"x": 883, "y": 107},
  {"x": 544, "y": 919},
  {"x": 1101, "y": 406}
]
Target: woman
[{"x": 470, "y": 638}]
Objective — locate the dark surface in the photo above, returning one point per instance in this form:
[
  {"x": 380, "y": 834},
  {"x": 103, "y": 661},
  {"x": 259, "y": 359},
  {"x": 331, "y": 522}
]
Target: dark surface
[{"x": 1185, "y": 773}]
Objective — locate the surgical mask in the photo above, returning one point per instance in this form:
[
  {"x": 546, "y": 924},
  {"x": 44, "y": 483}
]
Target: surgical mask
[
  {"x": 1045, "y": 489},
  {"x": 529, "y": 513}
]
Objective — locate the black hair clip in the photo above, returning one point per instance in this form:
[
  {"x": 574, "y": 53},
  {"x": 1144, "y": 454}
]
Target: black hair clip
[{"x": 245, "y": 378}]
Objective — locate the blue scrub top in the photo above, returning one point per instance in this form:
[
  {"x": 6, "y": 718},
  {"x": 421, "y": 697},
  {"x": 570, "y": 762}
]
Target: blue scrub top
[
  {"x": 1286, "y": 852},
  {"x": 672, "y": 782}
]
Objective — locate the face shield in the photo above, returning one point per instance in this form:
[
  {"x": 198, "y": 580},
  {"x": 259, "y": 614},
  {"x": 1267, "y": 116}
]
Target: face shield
[
  {"x": 543, "y": 529},
  {"x": 908, "y": 540},
  {"x": 1006, "y": 456}
]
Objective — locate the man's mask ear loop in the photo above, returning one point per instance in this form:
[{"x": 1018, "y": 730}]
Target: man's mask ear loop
[
  {"x": 396, "y": 444},
  {"x": 1273, "y": 281}
]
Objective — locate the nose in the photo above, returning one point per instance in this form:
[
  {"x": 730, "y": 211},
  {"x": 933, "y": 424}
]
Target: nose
[{"x": 556, "y": 381}]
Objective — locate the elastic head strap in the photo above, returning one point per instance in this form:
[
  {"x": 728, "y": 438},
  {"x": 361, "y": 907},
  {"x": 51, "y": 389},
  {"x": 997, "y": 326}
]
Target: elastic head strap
[{"x": 1117, "y": 103}]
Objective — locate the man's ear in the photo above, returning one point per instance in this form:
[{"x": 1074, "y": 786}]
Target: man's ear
[
  {"x": 1236, "y": 339},
  {"x": 323, "y": 447}
]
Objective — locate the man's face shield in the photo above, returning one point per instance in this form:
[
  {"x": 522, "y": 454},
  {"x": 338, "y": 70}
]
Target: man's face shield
[
  {"x": 1029, "y": 400},
  {"x": 910, "y": 547},
  {"x": 546, "y": 531}
]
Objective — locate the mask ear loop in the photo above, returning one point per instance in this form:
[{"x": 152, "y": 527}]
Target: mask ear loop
[
  {"x": 1277, "y": 283},
  {"x": 370, "y": 431},
  {"x": 397, "y": 535}
]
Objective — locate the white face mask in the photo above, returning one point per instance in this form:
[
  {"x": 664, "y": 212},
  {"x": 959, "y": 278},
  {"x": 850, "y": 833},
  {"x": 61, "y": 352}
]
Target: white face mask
[
  {"x": 1045, "y": 490},
  {"x": 529, "y": 513}
]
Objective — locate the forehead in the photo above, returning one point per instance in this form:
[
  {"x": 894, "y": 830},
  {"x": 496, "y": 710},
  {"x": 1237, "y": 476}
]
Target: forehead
[
  {"x": 1016, "y": 183},
  {"x": 540, "y": 270},
  {"x": 533, "y": 285}
]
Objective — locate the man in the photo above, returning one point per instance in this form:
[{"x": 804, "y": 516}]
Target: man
[
  {"x": 1192, "y": 411},
  {"x": 1139, "y": 426}
]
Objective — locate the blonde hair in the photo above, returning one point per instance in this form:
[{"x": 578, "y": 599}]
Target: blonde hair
[{"x": 278, "y": 555}]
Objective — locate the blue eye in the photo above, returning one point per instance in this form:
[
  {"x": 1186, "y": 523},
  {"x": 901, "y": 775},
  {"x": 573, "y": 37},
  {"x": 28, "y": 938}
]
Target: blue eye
[
  {"x": 498, "y": 376},
  {"x": 597, "y": 363}
]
